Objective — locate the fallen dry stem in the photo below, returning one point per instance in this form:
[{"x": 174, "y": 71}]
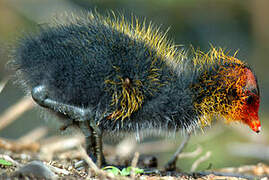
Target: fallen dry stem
[
  {"x": 134, "y": 164},
  {"x": 259, "y": 169},
  {"x": 229, "y": 175},
  {"x": 3, "y": 84},
  {"x": 13, "y": 112},
  {"x": 193, "y": 154},
  {"x": 17, "y": 146},
  {"x": 34, "y": 135},
  {"x": 88, "y": 160},
  {"x": 171, "y": 165},
  {"x": 57, "y": 170},
  {"x": 200, "y": 160},
  {"x": 98, "y": 172},
  {"x": 62, "y": 144},
  {"x": 59, "y": 144},
  {"x": 26, "y": 142}
]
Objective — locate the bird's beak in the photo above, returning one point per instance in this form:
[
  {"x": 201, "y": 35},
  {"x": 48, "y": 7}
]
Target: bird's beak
[{"x": 255, "y": 125}]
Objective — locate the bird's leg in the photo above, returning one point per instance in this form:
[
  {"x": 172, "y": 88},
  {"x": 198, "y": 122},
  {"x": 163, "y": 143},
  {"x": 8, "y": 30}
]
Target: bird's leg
[
  {"x": 41, "y": 97},
  {"x": 94, "y": 144},
  {"x": 83, "y": 118},
  {"x": 171, "y": 164}
]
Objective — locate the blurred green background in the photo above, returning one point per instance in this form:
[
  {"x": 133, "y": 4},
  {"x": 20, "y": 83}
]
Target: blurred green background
[{"x": 237, "y": 25}]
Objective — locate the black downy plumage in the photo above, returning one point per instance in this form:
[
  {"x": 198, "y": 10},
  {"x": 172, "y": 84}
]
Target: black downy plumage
[{"x": 105, "y": 74}]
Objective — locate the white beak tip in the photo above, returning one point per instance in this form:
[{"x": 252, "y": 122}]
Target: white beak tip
[{"x": 259, "y": 130}]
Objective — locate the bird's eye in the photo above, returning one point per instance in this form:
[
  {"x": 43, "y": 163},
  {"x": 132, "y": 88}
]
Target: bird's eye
[
  {"x": 250, "y": 99},
  {"x": 255, "y": 91}
]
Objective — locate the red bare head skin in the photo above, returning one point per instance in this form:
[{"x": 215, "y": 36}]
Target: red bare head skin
[
  {"x": 230, "y": 91},
  {"x": 249, "y": 115},
  {"x": 247, "y": 102},
  {"x": 233, "y": 93}
]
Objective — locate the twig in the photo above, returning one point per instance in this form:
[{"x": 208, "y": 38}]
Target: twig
[
  {"x": 193, "y": 154},
  {"x": 134, "y": 164},
  {"x": 26, "y": 142},
  {"x": 17, "y": 146},
  {"x": 228, "y": 175},
  {"x": 259, "y": 169},
  {"x": 33, "y": 135},
  {"x": 60, "y": 144},
  {"x": 88, "y": 159},
  {"x": 3, "y": 84},
  {"x": 200, "y": 160},
  {"x": 69, "y": 154},
  {"x": 13, "y": 112},
  {"x": 102, "y": 174},
  {"x": 98, "y": 172},
  {"x": 57, "y": 170},
  {"x": 171, "y": 165}
]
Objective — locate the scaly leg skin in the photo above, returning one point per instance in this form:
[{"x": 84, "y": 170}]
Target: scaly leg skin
[
  {"x": 94, "y": 145},
  {"x": 171, "y": 164},
  {"x": 82, "y": 117}
]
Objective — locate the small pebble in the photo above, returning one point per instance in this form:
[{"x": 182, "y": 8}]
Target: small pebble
[
  {"x": 36, "y": 169},
  {"x": 147, "y": 161}
]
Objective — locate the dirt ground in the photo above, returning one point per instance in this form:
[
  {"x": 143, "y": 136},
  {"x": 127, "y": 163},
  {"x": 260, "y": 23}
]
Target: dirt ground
[{"x": 60, "y": 164}]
